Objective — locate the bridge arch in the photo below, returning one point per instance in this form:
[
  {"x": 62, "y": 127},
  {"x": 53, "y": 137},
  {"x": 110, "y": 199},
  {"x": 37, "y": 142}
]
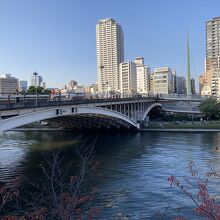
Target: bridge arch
[
  {"x": 149, "y": 109},
  {"x": 53, "y": 113}
]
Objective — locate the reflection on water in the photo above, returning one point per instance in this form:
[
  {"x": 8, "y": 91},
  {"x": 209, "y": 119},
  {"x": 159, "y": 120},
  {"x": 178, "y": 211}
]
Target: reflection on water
[
  {"x": 52, "y": 144},
  {"x": 132, "y": 178}
]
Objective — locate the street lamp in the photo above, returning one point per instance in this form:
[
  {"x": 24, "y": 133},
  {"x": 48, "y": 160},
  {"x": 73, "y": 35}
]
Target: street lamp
[
  {"x": 35, "y": 74},
  {"x": 102, "y": 67},
  {"x": 107, "y": 89}
]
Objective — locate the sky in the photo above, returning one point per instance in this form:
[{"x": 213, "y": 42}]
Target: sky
[{"x": 57, "y": 37}]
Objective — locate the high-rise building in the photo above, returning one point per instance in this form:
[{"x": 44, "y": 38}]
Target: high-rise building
[
  {"x": 180, "y": 85},
  {"x": 8, "y": 84},
  {"x": 110, "y": 53},
  {"x": 213, "y": 43},
  {"x": 163, "y": 81},
  {"x": 23, "y": 85},
  {"x": 212, "y": 61},
  {"x": 143, "y": 76},
  {"x": 128, "y": 78},
  {"x": 36, "y": 80}
]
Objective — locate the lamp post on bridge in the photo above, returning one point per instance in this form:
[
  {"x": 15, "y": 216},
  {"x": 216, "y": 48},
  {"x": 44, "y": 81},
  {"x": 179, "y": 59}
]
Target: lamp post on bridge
[
  {"x": 35, "y": 80},
  {"x": 102, "y": 67}
]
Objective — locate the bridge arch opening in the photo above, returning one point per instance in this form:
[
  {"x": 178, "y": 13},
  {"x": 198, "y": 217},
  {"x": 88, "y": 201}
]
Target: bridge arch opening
[
  {"x": 155, "y": 110},
  {"x": 88, "y": 116}
]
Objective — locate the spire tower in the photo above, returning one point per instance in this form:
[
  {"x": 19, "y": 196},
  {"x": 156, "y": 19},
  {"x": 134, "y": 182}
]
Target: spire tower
[{"x": 188, "y": 78}]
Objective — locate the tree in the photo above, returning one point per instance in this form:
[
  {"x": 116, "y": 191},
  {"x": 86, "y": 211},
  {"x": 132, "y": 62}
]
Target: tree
[
  {"x": 40, "y": 90},
  {"x": 196, "y": 189},
  {"x": 55, "y": 198},
  {"x": 210, "y": 107}
]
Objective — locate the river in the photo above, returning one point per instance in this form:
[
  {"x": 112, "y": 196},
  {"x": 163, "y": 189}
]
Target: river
[{"x": 131, "y": 180}]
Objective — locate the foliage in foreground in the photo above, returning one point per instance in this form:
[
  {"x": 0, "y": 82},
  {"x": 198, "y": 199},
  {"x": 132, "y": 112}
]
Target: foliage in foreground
[
  {"x": 55, "y": 198},
  {"x": 206, "y": 204}
]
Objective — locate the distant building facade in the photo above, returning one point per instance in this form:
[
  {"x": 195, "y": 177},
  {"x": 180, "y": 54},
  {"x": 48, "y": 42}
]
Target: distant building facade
[
  {"x": 36, "y": 80},
  {"x": 206, "y": 90},
  {"x": 8, "y": 84},
  {"x": 212, "y": 60},
  {"x": 23, "y": 86},
  {"x": 163, "y": 81},
  {"x": 72, "y": 84},
  {"x": 180, "y": 85},
  {"x": 152, "y": 82},
  {"x": 143, "y": 76},
  {"x": 193, "y": 86},
  {"x": 128, "y": 78}
]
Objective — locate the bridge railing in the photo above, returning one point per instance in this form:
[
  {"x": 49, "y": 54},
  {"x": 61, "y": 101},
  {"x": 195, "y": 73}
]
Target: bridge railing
[
  {"x": 180, "y": 96},
  {"x": 42, "y": 102},
  {"x": 32, "y": 101}
]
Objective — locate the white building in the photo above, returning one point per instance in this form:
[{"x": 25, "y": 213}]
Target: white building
[
  {"x": 215, "y": 85},
  {"x": 128, "y": 78},
  {"x": 23, "y": 85},
  {"x": 163, "y": 81},
  {"x": 110, "y": 53},
  {"x": 206, "y": 90},
  {"x": 8, "y": 84},
  {"x": 143, "y": 75},
  {"x": 36, "y": 80}
]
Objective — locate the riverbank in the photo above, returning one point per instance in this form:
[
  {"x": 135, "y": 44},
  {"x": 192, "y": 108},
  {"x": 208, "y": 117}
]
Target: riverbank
[
  {"x": 180, "y": 129},
  {"x": 36, "y": 129},
  {"x": 141, "y": 130}
]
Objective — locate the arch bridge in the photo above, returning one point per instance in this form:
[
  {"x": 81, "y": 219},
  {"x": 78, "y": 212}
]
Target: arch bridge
[{"x": 128, "y": 113}]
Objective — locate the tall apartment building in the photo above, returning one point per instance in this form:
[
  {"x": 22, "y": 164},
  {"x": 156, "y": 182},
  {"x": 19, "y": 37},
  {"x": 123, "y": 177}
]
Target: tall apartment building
[
  {"x": 128, "y": 78},
  {"x": 212, "y": 61},
  {"x": 163, "y": 81},
  {"x": 110, "y": 53},
  {"x": 8, "y": 84},
  {"x": 143, "y": 75}
]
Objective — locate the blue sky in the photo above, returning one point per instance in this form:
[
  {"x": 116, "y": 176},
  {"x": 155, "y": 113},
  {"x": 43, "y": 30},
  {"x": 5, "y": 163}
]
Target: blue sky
[{"x": 57, "y": 37}]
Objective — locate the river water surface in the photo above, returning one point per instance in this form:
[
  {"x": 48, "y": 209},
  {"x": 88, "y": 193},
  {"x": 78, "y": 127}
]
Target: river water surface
[{"x": 132, "y": 178}]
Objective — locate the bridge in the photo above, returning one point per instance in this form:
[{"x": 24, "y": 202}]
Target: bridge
[{"x": 112, "y": 113}]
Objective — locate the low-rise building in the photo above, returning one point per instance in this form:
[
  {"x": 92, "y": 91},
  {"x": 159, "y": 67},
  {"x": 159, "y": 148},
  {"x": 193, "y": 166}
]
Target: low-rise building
[
  {"x": 206, "y": 90},
  {"x": 8, "y": 84},
  {"x": 72, "y": 84},
  {"x": 163, "y": 81}
]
